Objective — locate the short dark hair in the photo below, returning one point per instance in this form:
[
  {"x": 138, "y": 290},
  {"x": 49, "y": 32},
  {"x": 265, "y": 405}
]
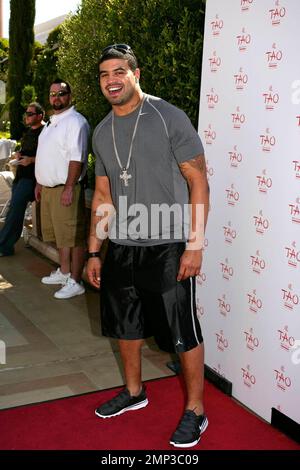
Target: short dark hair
[
  {"x": 59, "y": 81},
  {"x": 115, "y": 54},
  {"x": 38, "y": 108}
]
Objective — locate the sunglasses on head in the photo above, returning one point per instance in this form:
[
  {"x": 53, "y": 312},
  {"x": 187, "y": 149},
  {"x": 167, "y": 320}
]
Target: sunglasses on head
[
  {"x": 29, "y": 113},
  {"x": 60, "y": 93},
  {"x": 124, "y": 48}
]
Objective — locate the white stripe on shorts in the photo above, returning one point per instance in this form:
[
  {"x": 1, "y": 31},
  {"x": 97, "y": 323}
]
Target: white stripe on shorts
[{"x": 192, "y": 311}]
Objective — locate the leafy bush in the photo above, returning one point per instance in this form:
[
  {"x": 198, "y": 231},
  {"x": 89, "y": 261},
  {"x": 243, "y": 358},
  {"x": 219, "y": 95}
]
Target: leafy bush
[
  {"x": 166, "y": 35},
  {"x": 4, "y": 52},
  {"x": 28, "y": 95},
  {"x": 4, "y": 135},
  {"x": 91, "y": 171},
  {"x": 45, "y": 67}
]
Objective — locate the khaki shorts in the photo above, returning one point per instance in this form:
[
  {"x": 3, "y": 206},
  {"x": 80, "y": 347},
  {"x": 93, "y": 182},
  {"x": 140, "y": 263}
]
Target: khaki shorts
[{"x": 60, "y": 224}]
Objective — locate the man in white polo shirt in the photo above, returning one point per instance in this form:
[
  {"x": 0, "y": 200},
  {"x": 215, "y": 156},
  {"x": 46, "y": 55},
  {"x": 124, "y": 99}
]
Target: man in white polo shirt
[{"x": 61, "y": 162}]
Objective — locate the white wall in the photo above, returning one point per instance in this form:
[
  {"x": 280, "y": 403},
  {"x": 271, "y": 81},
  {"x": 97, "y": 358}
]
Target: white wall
[{"x": 248, "y": 295}]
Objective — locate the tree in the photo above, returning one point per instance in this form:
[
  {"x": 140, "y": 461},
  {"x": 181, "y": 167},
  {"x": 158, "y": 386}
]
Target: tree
[{"x": 21, "y": 41}]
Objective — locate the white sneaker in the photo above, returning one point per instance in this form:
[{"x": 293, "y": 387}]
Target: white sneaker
[
  {"x": 56, "y": 277},
  {"x": 70, "y": 289}
]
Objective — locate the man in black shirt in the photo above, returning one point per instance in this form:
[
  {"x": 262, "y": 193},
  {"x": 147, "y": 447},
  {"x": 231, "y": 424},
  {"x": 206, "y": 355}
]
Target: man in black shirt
[{"x": 24, "y": 182}]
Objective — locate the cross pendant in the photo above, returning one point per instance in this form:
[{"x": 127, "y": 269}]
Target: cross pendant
[{"x": 125, "y": 176}]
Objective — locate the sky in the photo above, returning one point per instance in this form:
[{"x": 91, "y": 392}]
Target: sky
[{"x": 45, "y": 10}]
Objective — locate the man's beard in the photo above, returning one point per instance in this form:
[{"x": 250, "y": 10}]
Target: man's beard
[
  {"x": 59, "y": 106},
  {"x": 122, "y": 100}
]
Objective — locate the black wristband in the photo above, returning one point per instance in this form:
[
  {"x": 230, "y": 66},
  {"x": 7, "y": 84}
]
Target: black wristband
[{"x": 94, "y": 254}]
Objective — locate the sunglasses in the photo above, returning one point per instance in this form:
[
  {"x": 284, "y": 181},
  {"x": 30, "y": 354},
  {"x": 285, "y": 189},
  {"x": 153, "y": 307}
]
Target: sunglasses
[
  {"x": 124, "y": 48},
  {"x": 29, "y": 113},
  {"x": 60, "y": 93}
]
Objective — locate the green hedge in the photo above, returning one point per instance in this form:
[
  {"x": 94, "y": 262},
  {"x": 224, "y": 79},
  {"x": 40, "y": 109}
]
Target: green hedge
[
  {"x": 45, "y": 66},
  {"x": 167, "y": 36},
  {"x": 4, "y": 52}
]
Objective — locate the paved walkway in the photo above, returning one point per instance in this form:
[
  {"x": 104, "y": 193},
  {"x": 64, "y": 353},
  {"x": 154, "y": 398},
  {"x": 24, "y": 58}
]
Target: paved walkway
[{"x": 54, "y": 348}]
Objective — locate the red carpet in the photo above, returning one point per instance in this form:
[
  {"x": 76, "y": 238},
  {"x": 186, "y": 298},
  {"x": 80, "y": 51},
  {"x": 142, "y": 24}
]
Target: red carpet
[{"x": 71, "y": 424}]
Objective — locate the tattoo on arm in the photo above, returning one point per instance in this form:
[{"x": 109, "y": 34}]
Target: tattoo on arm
[{"x": 197, "y": 163}]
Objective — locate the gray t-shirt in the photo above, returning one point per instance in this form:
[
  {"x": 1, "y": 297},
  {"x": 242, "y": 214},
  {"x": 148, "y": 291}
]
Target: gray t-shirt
[{"x": 152, "y": 209}]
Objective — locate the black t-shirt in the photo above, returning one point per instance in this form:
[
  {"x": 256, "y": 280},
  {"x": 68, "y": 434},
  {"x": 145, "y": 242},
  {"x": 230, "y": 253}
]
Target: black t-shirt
[{"x": 29, "y": 143}]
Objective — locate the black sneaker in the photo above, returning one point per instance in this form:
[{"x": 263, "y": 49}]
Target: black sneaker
[
  {"x": 121, "y": 403},
  {"x": 189, "y": 430}
]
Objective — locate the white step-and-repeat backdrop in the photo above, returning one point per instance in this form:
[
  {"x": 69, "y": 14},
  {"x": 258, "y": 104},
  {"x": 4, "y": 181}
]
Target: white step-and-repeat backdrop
[{"x": 248, "y": 293}]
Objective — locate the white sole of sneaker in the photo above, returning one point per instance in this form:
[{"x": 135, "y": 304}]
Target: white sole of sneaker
[
  {"x": 68, "y": 296},
  {"x": 142, "y": 404},
  {"x": 53, "y": 283},
  {"x": 191, "y": 444}
]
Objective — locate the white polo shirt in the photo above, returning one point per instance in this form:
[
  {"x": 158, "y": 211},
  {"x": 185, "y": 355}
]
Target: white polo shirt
[{"x": 63, "y": 139}]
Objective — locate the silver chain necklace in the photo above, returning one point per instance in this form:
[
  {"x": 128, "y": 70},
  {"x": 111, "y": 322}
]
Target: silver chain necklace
[{"x": 125, "y": 176}]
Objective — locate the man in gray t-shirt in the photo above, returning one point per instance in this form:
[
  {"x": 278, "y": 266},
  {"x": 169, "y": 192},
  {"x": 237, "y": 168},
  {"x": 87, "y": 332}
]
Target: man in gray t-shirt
[
  {"x": 151, "y": 200},
  {"x": 156, "y": 178}
]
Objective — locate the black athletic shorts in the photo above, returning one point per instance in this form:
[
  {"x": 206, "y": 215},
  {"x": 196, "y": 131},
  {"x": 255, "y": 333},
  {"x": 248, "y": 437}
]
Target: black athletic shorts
[{"x": 140, "y": 297}]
